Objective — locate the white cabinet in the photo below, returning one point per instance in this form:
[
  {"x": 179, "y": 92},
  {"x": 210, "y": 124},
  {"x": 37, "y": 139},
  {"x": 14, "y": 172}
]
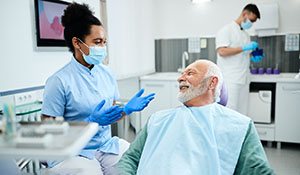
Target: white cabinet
[
  {"x": 270, "y": 17},
  {"x": 165, "y": 98},
  {"x": 287, "y": 115},
  {"x": 265, "y": 132},
  {"x": 286, "y": 125}
]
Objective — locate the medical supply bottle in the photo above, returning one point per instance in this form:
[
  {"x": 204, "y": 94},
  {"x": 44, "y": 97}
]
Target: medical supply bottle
[{"x": 9, "y": 121}]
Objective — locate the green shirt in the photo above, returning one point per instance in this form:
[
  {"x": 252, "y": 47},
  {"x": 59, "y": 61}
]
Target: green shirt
[{"x": 252, "y": 159}]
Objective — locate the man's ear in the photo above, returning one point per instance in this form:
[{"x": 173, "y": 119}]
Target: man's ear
[
  {"x": 75, "y": 43},
  {"x": 213, "y": 83},
  {"x": 244, "y": 13}
]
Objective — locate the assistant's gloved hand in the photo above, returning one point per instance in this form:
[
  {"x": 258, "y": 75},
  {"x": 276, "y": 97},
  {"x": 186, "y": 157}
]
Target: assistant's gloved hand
[
  {"x": 138, "y": 103},
  {"x": 250, "y": 46},
  {"x": 105, "y": 116}
]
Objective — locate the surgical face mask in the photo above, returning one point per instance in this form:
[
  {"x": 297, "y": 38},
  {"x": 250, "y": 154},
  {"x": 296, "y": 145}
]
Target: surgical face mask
[
  {"x": 96, "y": 54},
  {"x": 246, "y": 24},
  {"x": 192, "y": 91}
]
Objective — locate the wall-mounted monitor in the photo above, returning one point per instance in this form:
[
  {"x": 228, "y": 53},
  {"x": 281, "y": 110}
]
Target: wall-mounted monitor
[{"x": 49, "y": 30}]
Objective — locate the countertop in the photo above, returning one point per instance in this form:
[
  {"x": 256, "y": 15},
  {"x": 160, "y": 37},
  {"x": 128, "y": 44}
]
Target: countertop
[
  {"x": 172, "y": 76},
  {"x": 283, "y": 77}
]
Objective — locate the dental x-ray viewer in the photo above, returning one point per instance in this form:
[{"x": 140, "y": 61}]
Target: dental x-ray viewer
[{"x": 86, "y": 90}]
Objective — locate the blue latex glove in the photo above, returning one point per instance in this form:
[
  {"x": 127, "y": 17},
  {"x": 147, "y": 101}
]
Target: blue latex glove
[
  {"x": 256, "y": 59},
  {"x": 250, "y": 46},
  {"x": 138, "y": 103},
  {"x": 257, "y": 55},
  {"x": 105, "y": 116}
]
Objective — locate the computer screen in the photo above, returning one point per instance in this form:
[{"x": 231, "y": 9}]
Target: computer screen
[{"x": 49, "y": 30}]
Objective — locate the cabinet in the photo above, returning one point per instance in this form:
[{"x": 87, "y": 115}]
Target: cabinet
[
  {"x": 261, "y": 108},
  {"x": 285, "y": 123},
  {"x": 287, "y": 116},
  {"x": 165, "y": 98},
  {"x": 265, "y": 132},
  {"x": 270, "y": 13}
]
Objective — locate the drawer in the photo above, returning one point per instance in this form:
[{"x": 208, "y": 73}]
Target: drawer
[{"x": 265, "y": 133}]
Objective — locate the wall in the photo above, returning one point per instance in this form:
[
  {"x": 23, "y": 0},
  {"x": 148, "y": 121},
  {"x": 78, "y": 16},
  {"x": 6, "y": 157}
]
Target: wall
[
  {"x": 131, "y": 37},
  {"x": 21, "y": 65},
  {"x": 168, "y": 54},
  {"x": 182, "y": 19},
  {"x": 133, "y": 25}
]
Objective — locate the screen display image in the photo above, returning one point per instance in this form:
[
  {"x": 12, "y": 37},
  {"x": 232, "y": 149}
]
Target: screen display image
[
  {"x": 50, "y": 31},
  {"x": 50, "y": 20}
]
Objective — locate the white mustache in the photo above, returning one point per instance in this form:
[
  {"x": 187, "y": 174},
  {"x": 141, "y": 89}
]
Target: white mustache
[{"x": 184, "y": 84}]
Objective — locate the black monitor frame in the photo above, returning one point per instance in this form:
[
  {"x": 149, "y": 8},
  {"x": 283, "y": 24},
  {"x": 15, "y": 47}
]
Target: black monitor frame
[{"x": 42, "y": 42}]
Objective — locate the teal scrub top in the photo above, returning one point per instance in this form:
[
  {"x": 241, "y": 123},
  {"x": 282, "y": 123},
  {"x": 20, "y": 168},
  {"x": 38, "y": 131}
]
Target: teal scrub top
[{"x": 74, "y": 91}]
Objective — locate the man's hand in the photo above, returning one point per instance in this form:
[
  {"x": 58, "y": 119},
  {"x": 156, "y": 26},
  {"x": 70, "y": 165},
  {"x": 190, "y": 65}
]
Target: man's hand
[
  {"x": 257, "y": 55},
  {"x": 250, "y": 46},
  {"x": 256, "y": 59}
]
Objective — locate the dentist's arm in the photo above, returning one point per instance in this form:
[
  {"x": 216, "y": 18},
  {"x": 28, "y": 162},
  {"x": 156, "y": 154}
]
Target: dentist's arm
[{"x": 229, "y": 51}]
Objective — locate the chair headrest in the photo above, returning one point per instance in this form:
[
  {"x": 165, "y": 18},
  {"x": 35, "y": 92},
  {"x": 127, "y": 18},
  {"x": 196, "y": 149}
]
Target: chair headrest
[{"x": 223, "y": 95}]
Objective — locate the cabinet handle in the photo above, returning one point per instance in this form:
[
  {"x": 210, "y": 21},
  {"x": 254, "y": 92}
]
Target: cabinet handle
[
  {"x": 292, "y": 90},
  {"x": 154, "y": 85},
  {"x": 262, "y": 133}
]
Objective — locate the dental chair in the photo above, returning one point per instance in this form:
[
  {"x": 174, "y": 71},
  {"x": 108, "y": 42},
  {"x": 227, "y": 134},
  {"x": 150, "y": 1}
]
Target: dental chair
[{"x": 223, "y": 95}]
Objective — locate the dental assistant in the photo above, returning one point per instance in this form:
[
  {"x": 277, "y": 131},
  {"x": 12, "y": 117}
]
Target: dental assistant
[
  {"x": 233, "y": 47},
  {"x": 86, "y": 90}
]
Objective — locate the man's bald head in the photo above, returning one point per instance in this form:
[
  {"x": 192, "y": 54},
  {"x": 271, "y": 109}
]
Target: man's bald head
[{"x": 200, "y": 83}]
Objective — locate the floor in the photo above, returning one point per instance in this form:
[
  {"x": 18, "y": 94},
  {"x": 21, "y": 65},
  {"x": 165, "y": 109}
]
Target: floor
[{"x": 284, "y": 161}]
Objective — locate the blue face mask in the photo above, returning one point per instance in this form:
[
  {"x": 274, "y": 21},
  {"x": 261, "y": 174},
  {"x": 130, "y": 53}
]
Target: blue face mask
[
  {"x": 246, "y": 24},
  {"x": 96, "y": 54}
]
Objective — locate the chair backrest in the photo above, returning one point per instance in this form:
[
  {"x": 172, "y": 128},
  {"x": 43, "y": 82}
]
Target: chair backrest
[{"x": 223, "y": 95}]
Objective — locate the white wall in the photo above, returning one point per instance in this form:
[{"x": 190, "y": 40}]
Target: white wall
[
  {"x": 181, "y": 18},
  {"x": 131, "y": 37},
  {"x": 132, "y": 27},
  {"x": 21, "y": 65}
]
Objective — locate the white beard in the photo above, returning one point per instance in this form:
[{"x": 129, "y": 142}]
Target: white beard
[{"x": 192, "y": 92}]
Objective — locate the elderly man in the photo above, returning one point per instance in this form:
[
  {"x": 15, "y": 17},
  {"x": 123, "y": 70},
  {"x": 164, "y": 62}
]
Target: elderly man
[{"x": 201, "y": 137}]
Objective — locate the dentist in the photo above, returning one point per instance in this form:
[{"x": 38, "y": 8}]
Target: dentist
[
  {"x": 86, "y": 90},
  {"x": 233, "y": 47}
]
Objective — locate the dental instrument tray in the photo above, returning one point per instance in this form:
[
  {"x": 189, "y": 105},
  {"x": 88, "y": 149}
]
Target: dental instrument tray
[
  {"x": 55, "y": 128},
  {"x": 33, "y": 139}
]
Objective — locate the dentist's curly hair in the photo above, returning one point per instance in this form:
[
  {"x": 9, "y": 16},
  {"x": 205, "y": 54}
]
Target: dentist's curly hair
[{"x": 77, "y": 20}]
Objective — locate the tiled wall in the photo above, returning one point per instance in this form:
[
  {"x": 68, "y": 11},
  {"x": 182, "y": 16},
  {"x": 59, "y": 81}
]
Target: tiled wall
[{"x": 168, "y": 53}]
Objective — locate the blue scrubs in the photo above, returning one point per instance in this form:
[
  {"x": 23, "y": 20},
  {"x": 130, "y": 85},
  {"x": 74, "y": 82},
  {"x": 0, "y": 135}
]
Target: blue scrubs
[{"x": 74, "y": 91}]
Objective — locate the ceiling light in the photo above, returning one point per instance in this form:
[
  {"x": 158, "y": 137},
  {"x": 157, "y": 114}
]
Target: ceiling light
[{"x": 200, "y": 1}]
